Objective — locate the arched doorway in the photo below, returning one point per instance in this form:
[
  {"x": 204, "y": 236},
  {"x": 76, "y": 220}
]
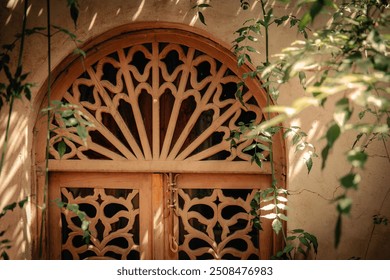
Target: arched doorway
[{"x": 157, "y": 178}]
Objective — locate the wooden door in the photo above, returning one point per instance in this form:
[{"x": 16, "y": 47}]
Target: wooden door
[
  {"x": 161, "y": 101},
  {"x": 156, "y": 216}
]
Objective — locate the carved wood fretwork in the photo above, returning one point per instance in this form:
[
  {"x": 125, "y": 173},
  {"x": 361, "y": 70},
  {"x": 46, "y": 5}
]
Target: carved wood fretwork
[
  {"x": 216, "y": 224},
  {"x": 114, "y": 217},
  {"x": 157, "y": 101},
  {"x": 161, "y": 99}
]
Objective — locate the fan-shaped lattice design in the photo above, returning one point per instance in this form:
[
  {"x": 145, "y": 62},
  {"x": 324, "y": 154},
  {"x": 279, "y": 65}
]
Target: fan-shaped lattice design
[{"x": 157, "y": 101}]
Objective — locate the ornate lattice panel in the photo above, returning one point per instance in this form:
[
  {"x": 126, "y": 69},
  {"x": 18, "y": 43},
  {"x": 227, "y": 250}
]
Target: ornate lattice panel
[
  {"x": 114, "y": 217},
  {"x": 215, "y": 224},
  {"x": 157, "y": 101}
]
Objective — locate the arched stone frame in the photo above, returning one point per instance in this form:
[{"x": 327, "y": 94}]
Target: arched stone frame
[{"x": 157, "y": 158}]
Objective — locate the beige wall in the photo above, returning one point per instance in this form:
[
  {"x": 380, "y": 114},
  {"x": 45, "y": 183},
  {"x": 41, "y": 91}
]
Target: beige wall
[{"x": 310, "y": 204}]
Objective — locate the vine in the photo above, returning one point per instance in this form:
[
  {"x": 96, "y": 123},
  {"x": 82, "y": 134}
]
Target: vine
[
  {"x": 270, "y": 203},
  {"x": 69, "y": 114},
  {"x": 347, "y": 59}
]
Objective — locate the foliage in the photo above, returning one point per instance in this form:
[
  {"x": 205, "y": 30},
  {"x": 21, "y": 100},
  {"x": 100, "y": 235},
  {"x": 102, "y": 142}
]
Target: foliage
[
  {"x": 5, "y": 244},
  {"x": 199, "y": 8},
  {"x": 16, "y": 86},
  {"x": 82, "y": 216},
  {"x": 348, "y": 60},
  {"x": 70, "y": 118},
  {"x": 300, "y": 244}
]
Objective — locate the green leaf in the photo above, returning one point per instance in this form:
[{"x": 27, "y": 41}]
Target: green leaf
[
  {"x": 60, "y": 203},
  {"x": 4, "y": 256},
  {"x": 72, "y": 207},
  {"x": 239, "y": 39},
  {"x": 351, "y": 180},
  {"x": 61, "y": 149},
  {"x": 332, "y": 134},
  {"x": 288, "y": 248},
  {"x": 74, "y": 12},
  {"x": 324, "y": 154},
  {"x": 65, "y": 31},
  {"x": 253, "y": 39},
  {"x": 313, "y": 240},
  {"x": 9, "y": 207},
  {"x": 251, "y": 49},
  {"x": 269, "y": 216},
  {"x": 254, "y": 204},
  {"x": 344, "y": 205},
  {"x": 276, "y": 225},
  {"x": 250, "y": 147},
  {"x": 241, "y": 60},
  {"x": 305, "y": 20},
  {"x": 256, "y": 197},
  {"x": 304, "y": 241},
  {"x": 80, "y": 52},
  {"x": 357, "y": 158},
  {"x": 263, "y": 147},
  {"x": 257, "y": 223},
  {"x": 248, "y": 57},
  {"x": 281, "y": 198},
  {"x": 268, "y": 207},
  {"x": 309, "y": 164},
  {"x": 302, "y": 78},
  {"x": 282, "y": 206},
  {"x": 291, "y": 238},
  {"x": 283, "y": 217},
  {"x": 67, "y": 113},
  {"x": 82, "y": 132},
  {"x": 201, "y": 18},
  {"x": 282, "y": 19},
  {"x": 85, "y": 225},
  {"x": 203, "y": 5},
  {"x": 22, "y": 202},
  {"x": 298, "y": 230},
  {"x": 296, "y": 138},
  {"x": 300, "y": 250},
  {"x": 71, "y": 122}
]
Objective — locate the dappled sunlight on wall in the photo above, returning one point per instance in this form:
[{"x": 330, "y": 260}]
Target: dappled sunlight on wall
[
  {"x": 15, "y": 181},
  {"x": 310, "y": 204}
]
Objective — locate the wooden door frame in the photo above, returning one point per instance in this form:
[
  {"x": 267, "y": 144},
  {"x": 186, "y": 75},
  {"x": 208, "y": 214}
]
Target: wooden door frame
[{"x": 104, "y": 43}]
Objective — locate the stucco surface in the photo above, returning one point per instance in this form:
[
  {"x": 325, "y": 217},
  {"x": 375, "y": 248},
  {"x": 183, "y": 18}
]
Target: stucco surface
[{"x": 310, "y": 203}]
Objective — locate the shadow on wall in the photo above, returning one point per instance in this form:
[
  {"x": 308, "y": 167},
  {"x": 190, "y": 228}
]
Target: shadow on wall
[{"x": 15, "y": 180}]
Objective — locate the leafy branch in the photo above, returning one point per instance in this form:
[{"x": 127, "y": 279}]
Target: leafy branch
[
  {"x": 5, "y": 244},
  {"x": 81, "y": 215},
  {"x": 199, "y": 8},
  {"x": 348, "y": 60}
]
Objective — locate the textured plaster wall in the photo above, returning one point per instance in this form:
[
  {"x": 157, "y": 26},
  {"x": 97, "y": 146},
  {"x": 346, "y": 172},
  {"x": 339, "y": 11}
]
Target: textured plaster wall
[{"x": 310, "y": 202}]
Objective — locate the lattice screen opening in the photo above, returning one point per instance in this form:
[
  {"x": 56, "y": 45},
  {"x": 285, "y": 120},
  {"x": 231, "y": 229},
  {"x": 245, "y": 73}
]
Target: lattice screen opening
[
  {"x": 184, "y": 109},
  {"x": 215, "y": 224},
  {"x": 115, "y": 225}
]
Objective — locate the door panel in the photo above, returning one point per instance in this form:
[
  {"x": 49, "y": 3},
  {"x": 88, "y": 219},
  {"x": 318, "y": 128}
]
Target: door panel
[
  {"x": 156, "y": 216},
  {"x": 118, "y": 207},
  {"x": 209, "y": 217}
]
